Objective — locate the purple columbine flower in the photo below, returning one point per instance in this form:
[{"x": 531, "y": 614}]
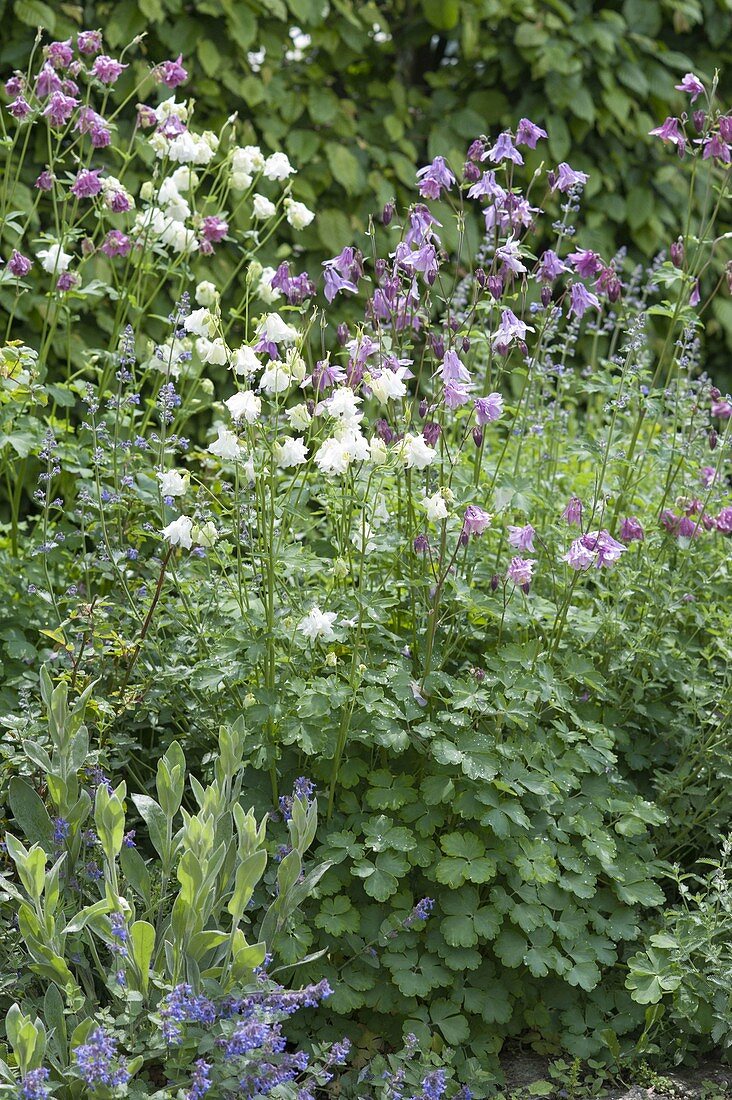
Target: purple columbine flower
[
  {"x": 59, "y": 109},
  {"x": 456, "y": 394},
  {"x": 171, "y": 73},
  {"x": 520, "y": 571},
  {"x": 510, "y": 329},
  {"x": 528, "y": 133},
  {"x": 47, "y": 82},
  {"x": 522, "y": 537},
  {"x": 107, "y": 69},
  {"x": 452, "y": 370},
  {"x": 15, "y": 85},
  {"x": 716, "y": 148},
  {"x": 692, "y": 85},
  {"x": 475, "y": 521},
  {"x": 116, "y": 243},
  {"x": 89, "y": 122},
  {"x": 60, "y": 54},
  {"x": 214, "y": 228},
  {"x": 550, "y": 267},
  {"x": 572, "y": 514},
  {"x": 585, "y": 262},
  {"x": 66, "y": 281},
  {"x": 565, "y": 178},
  {"x": 89, "y": 42},
  {"x": 19, "y": 265},
  {"x": 631, "y": 530},
  {"x": 435, "y": 178},
  {"x": 695, "y": 296},
  {"x": 421, "y": 544},
  {"x": 504, "y": 149},
  {"x": 488, "y": 408},
  {"x": 342, "y": 272},
  {"x": 87, "y": 183},
  {"x": 670, "y": 131},
  {"x": 596, "y": 548},
  {"x": 581, "y": 299},
  {"x": 723, "y": 522},
  {"x": 19, "y": 108}
]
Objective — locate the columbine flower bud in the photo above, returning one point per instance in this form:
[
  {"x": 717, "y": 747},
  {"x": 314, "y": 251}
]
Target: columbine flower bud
[
  {"x": 331, "y": 659},
  {"x": 477, "y": 435},
  {"x": 146, "y": 191},
  {"x": 380, "y": 268},
  {"x": 466, "y": 343},
  {"x": 471, "y": 172},
  {"x": 546, "y": 295},
  {"x": 698, "y": 118},
  {"x": 495, "y": 581},
  {"x": 677, "y": 253},
  {"x": 423, "y": 407},
  {"x": 387, "y": 213},
  {"x": 712, "y": 440},
  {"x": 481, "y": 277},
  {"x": 342, "y": 333},
  {"x": 495, "y": 286}
]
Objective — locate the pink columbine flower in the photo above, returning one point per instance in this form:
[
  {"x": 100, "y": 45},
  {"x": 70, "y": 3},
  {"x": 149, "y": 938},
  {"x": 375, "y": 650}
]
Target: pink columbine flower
[
  {"x": 596, "y": 548},
  {"x": 107, "y": 69},
  {"x": 89, "y": 122},
  {"x": 47, "y": 82},
  {"x": 116, "y": 243},
  {"x": 488, "y": 408},
  {"x": 87, "y": 184},
  {"x": 15, "y": 85},
  {"x": 522, "y": 537},
  {"x": 89, "y": 42},
  {"x": 631, "y": 530},
  {"x": 504, "y": 149},
  {"x": 435, "y": 178},
  {"x": 456, "y": 394},
  {"x": 60, "y": 54},
  {"x": 572, "y": 514},
  {"x": 20, "y": 108},
  {"x": 520, "y": 571},
  {"x": 19, "y": 265},
  {"x": 721, "y": 407},
  {"x": 565, "y": 178},
  {"x": 171, "y": 73},
  {"x": 708, "y": 475},
  {"x": 692, "y": 85},
  {"x": 695, "y": 296},
  {"x": 44, "y": 182},
  {"x": 510, "y": 329},
  {"x": 59, "y": 109},
  {"x": 724, "y": 521},
  {"x": 528, "y": 133},
  {"x": 475, "y": 521}
]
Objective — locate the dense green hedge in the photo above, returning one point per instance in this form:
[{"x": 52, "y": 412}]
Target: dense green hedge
[{"x": 362, "y": 106}]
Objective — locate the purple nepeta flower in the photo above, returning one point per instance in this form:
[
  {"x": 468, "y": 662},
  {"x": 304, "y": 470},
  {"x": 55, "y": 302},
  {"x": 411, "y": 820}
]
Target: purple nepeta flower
[
  {"x": 550, "y": 267},
  {"x": 33, "y": 1085},
  {"x": 107, "y": 69},
  {"x": 200, "y": 1080},
  {"x": 434, "y": 1085},
  {"x": 19, "y": 265},
  {"x": 434, "y": 178},
  {"x": 573, "y": 512},
  {"x": 171, "y": 73},
  {"x": 421, "y": 911},
  {"x": 528, "y": 133},
  {"x": 581, "y": 299},
  {"x": 671, "y": 131},
  {"x": 59, "y": 109},
  {"x": 61, "y": 829},
  {"x": 522, "y": 537},
  {"x": 488, "y": 408},
  {"x": 692, "y": 85},
  {"x": 475, "y": 521},
  {"x": 504, "y": 149},
  {"x": 89, "y": 42},
  {"x": 520, "y": 571},
  {"x": 87, "y": 184},
  {"x": 182, "y": 1006},
  {"x": 303, "y": 788},
  {"x": 565, "y": 178},
  {"x": 631, "y": 530},
  {"x": 98, "y": 1063}
]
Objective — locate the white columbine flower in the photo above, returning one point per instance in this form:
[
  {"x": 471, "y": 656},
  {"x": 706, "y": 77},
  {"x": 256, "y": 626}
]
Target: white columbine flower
[
  {"x": 53, "y": 259},
  {"x": 277, "y": 167},
  {"x": 416, "y": 453},
  {"x": 275, "y": 378},
  {"x": 378, "y": 451},
  {"x": 298, "y": 214},
  {"x": 244, "y": 361},
  {"x": 263, "y": 207},
  {"x": 244, "y": 405},
  {"x": 388, "y": 386},
  {"x": 335, "y": 455},
  {"x": 199, "y": 322},
  {"x": 435, "y": 507},
  {"x": 291, "y": 452},
  {"x": 343, "y": 405},
  {"x": 212, "y": 351},
  {"x": 184, "y": 178},
  {"x": 178, "y": 533},
  {"x": 205, "y": 535},
  {"x": 173, "y": 483},
  {"x": 299, "y": 417},
  {"x": 206, "y": 294},
  {"x": 265, "y": 290},
  {"x": 247, "y": 158},
  {"x": 278, "y": 331},
  {"x": 226, "y": 446},
  {"x": 318, "y": 624}
]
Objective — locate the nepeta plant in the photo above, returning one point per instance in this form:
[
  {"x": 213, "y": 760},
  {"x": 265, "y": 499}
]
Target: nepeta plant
[{"x": 455, "y": 561}]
